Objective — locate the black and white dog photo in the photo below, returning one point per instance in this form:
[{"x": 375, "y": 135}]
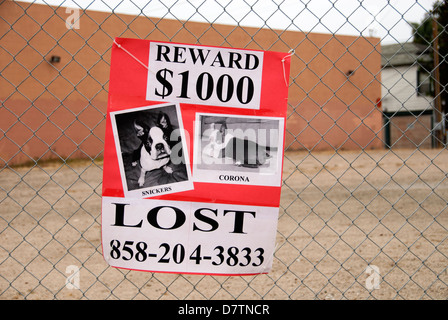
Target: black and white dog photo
[
  {"x": 243, "y": 149},
  {"x": 154, "y": 151},
  {"x": 151, "y": 148}
]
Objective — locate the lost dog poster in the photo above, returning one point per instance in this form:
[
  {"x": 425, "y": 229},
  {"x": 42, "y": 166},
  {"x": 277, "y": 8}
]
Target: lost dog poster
[{"x": 193, "y": 157}]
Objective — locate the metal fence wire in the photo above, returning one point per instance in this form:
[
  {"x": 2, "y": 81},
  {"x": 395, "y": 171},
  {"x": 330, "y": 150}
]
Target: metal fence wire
[{"x": 363, "y": 211}]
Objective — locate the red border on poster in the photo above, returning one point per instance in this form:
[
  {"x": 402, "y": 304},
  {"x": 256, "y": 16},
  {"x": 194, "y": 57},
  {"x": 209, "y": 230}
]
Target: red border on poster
[{"x": 127, "y": 90}]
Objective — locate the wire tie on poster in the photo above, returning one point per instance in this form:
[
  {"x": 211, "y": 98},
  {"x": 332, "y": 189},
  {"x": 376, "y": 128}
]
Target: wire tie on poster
[
  {"x": 135, "y": 58},
  {"x": 290, "y": 54}
]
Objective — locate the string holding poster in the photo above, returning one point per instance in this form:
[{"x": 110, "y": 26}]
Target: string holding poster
[{"x": 193, "y": 157}]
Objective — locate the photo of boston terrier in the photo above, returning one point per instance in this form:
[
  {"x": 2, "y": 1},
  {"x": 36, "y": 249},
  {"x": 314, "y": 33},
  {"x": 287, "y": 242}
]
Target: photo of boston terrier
[
  {"x": 151, "y": 148},
  {"x": 154, "y": 151}
]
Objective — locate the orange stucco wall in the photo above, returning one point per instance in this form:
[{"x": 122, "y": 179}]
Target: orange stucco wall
[{"x": 57, "y": 110}]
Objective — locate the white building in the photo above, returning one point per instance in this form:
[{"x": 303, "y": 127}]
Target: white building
[{"x": 407, "y": 100}]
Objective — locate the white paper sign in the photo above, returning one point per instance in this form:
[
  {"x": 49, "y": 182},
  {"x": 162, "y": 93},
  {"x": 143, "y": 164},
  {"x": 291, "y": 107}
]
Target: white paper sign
[
  {"x": 204, "y": 75},
  {"x": 175, "y": 236}
]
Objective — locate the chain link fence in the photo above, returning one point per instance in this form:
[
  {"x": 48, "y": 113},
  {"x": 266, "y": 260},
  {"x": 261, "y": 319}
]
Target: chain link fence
[{"x": 363, "y": 210}]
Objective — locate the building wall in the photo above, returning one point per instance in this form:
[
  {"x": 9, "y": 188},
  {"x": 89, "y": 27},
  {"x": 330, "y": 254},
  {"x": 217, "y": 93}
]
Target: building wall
[
  {"x": 57, "y": 110},
  {"x": 399, "y": 90},
  {"x": 409, "y": 131},
  {"x": 409, "y": 114}
]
